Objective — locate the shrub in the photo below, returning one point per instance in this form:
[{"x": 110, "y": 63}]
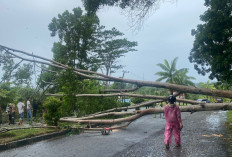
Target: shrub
[{"x": 52, "y": 111}]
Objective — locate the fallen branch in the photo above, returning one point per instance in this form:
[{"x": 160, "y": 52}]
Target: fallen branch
[
  {"x": 130, "y": 95},
  {"x": 19, "y": 128}
]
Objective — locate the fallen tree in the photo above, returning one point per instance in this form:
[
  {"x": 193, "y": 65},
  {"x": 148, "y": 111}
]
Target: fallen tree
[
  {"x": 137, "y": 114},
  {"x": 98, "y": 76},
  {"x": 193, "y": 108},
  {"x": 130, "y": 95}
]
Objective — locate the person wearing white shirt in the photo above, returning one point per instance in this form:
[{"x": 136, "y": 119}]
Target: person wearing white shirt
[{"x": 20, "y": 107}]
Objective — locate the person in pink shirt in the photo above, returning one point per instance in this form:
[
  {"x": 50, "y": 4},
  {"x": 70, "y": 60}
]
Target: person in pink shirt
[{"x": 173, "y": 122}]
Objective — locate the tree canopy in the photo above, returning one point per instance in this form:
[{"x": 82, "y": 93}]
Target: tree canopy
[
  {"x": 76, "y": 32},
  {"x": 111, "y": 48},
  {"x": 211, "y": 52},
  {"x": 135, "y": 10}
]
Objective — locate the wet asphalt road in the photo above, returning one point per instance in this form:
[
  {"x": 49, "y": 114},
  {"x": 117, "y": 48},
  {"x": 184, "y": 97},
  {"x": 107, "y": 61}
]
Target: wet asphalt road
[{"x": 203, "y": 135}]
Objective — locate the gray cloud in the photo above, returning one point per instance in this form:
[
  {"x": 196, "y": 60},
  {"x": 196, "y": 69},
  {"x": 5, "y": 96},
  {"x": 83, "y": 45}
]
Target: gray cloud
[{"x": 166, "y": 34}]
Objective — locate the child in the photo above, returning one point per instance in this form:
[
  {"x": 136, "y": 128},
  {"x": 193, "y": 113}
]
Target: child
[{"x": 173, "y": 121}]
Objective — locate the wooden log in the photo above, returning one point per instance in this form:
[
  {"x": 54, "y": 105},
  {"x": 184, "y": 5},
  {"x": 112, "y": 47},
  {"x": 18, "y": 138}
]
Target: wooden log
[
  {"x": 130, "y": 95},
  {"x": 120, "y": 90},
  {"x": 193, "y": 108},
  {"x": 180, "y": 88},
  {"x": 103, "y": 115}
]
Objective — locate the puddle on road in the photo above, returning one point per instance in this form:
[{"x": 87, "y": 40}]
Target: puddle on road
[{"x": 216, "y": 119}]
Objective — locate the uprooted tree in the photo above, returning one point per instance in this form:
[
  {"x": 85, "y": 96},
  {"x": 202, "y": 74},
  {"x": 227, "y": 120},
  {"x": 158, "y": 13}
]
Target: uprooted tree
[{"x": 130, "y": 115}]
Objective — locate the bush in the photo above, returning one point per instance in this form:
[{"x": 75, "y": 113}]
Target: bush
[
  {"x": 137, "y": 100},
  {"x": 52, "y": 111}
]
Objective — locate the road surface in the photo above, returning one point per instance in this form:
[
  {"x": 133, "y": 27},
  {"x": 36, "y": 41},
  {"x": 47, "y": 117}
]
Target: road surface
[{"x": 203, "y": 134}]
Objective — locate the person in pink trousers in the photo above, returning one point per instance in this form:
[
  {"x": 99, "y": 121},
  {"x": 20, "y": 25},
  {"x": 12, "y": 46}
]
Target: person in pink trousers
[{"x": 173, "y": 122}]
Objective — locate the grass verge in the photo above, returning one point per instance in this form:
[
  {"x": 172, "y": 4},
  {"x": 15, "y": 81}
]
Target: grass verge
[{"x": 15, "y": 135}]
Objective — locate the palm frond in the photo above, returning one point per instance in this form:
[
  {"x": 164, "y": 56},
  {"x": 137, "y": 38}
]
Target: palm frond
[{"x": 162, "y": 66}]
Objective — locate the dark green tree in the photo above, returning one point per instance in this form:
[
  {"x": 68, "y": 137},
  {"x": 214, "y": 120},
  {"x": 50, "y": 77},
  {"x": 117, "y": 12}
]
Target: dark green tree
[
  {"x": 77, "y": 33},
  {"x": 211, "y": 52}
]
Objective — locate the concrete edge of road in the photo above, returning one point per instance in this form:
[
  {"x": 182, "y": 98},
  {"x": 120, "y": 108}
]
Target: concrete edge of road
[{"x": 27, "y": 141}]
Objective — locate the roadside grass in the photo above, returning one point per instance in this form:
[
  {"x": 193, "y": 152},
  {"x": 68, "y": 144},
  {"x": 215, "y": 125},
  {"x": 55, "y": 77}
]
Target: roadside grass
[
  {"x": 15, "y": 135},
  {"x": 229, "y": 124}
]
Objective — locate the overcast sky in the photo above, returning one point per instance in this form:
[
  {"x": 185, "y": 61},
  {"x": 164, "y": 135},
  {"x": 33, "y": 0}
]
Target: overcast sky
[{"x": 166, "y": 33}]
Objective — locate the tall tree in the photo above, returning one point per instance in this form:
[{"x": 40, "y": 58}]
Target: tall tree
[
  {"x": 211, "y": 52},
  {"x": 77, "y": 33},
  {"x": 111, "y": 48}
]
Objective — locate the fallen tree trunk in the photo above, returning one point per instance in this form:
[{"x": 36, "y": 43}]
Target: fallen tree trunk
[
  {"x": 103, "y": 115},
  {"x": 120, "y": 90},
  {"x": 130, "y": 95},
  {"x": 180, "y": 88},
  {"x": 111, "y": 128},
  {"x": 193, "y": 108},
  {"x": 147, "y": 103}
]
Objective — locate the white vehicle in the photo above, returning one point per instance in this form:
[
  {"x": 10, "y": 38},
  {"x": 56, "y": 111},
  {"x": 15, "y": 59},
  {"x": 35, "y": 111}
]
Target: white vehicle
[{"x": 203, "y": 100}]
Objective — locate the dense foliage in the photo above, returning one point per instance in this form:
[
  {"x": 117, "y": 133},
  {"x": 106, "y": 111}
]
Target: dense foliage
[
  {"x": 52, "y": 111},
  {"x": 211, "y": 52},
  {"x": 77, "y": 33},
  {"x": 93, "y": 5}
]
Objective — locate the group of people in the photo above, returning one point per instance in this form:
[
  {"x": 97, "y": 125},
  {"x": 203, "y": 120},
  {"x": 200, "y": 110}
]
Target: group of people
[{"x": 11, "y": 109}]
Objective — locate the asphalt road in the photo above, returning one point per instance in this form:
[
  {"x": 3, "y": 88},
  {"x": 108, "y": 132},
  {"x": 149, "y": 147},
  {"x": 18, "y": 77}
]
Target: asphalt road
[{"x": 203, "y": 135}]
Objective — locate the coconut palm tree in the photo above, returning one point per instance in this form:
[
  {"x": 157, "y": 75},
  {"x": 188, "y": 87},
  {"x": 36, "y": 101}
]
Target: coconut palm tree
[
  {"x": 169, "y": 71},
  {"x": 171, "y": 75},
  {"x": 183, "y": 79}
]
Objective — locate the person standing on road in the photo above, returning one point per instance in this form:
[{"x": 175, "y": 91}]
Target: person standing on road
[
  {"x": 20, "y": 107},
  {"x": 173, "y": 122},
  {"x": 29, "y": 115}
]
